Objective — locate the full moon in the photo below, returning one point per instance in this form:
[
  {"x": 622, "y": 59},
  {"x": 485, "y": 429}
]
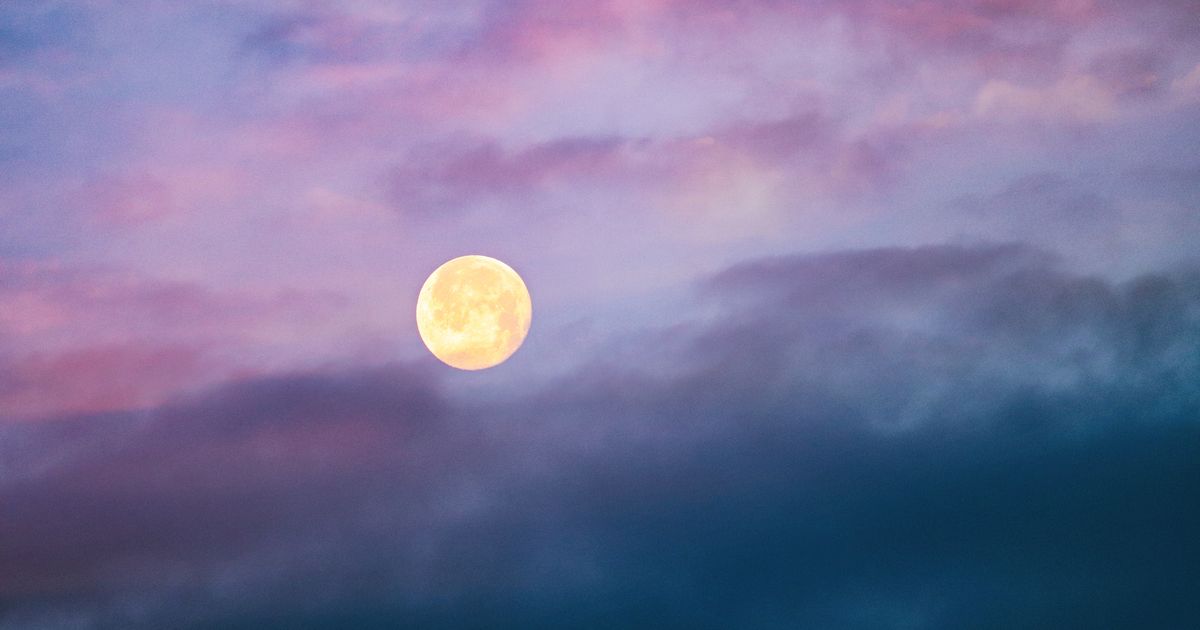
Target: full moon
[{"x": 473, "y": 312}]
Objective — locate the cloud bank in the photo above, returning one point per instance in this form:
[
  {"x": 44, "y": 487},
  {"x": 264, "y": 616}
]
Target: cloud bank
[{"x": 930, "y": 437}]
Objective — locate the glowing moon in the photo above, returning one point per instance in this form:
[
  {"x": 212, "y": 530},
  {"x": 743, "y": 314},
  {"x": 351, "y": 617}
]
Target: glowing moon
[{"x": 473, "y": 312}]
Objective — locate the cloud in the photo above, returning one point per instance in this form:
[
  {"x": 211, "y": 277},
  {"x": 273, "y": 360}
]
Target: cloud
[
  {"x": 89, "y": 340},
  {"x": 923, "y": 437},
  {"x": 458, "y": 175},
  {"x": 754, "y": 166},
  {"x": 1078, "y": 98},
  {"x": 872, "y": 438},
  {"x": 958, "y": 334},
  {"x": 1188, "y": 86},
  {"x": 820, "y": 115},
  {"x": 1044, "y": 207},
  {"x": 92, "y": 379}
]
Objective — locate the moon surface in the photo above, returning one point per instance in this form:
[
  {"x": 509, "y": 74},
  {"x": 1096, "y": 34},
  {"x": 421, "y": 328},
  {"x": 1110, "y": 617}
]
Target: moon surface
[{"x": 473, "y": 312}]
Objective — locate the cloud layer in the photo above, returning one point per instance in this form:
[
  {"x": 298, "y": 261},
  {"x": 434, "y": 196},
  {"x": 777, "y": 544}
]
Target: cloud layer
[
  {"x": 890, "y": 438},
  {"x": 877, "y": 314}
]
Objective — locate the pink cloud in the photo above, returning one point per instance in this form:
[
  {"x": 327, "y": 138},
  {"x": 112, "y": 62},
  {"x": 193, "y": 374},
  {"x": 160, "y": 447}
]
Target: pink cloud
[
  {"x": 727, "y": 118},
  {"x": 1079, "y": 98},
  {"x": 83, "y": 340},
  {"x": 96, "y": 379},
  {"x": 513, "y": 67},
  {"x": 129, "y": 200},
  {"x": 1188, "y": 85}
]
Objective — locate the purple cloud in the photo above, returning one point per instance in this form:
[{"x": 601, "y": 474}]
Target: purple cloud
[
  {"x": 779, "y": 375},
  {"x": 965, "y": 388}
]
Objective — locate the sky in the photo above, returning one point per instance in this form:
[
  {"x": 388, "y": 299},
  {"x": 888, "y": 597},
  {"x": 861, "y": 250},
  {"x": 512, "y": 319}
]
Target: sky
[{"x": 864, "y": 314}]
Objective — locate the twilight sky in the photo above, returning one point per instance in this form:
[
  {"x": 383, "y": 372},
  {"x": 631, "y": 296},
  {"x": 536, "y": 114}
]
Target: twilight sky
[{"x": 865, "y": 314}]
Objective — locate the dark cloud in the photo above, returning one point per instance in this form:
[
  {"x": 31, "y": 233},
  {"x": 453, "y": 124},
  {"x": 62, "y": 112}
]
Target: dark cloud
[
  {"x": 1133, "y": 72},
  {"x": 446, "y": 177},
  {"x": 940, "y": 437}
]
